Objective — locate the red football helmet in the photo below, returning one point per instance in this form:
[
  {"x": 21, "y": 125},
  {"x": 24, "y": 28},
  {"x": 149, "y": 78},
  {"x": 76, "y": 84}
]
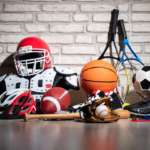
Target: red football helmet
[{"x": 33, "y": 56}]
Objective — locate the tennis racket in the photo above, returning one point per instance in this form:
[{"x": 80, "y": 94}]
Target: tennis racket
[
  {"x": 132, "y": 64},
  {"x": 115, "y": 13}
]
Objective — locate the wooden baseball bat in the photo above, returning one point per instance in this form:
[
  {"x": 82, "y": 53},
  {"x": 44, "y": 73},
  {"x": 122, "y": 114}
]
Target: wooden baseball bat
[{"x": 124, "y": 114}]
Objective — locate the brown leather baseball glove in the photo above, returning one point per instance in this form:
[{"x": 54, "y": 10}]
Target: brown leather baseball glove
[{"x": 87, "y": 112}]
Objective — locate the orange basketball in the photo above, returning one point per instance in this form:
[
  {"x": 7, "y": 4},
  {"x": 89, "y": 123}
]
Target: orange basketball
[{"x": 98, "y": 75}]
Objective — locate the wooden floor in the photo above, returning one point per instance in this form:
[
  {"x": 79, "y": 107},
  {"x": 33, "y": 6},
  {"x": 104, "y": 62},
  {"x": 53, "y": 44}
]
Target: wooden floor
[{"x": 73, "y": 135}]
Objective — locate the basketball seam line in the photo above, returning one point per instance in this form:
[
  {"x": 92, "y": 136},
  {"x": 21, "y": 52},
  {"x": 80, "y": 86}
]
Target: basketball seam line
[
  {"x": 98, "y": 81},
  {"x": 99, "y": 67}
]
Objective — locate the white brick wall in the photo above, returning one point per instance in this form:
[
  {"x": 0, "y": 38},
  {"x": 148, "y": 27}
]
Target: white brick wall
[
  {"x": 35, "y": 28},
  {"x": 123, "y": 7},
  {"x": 79, "y": 50},
  {"x": 60, "y": 39},
  {"x": 67, "y": 28},
  {"x": 53, "y": 17},
  {"x": 96, "y": 7},
  {"x": 1, "y": 49},
  {"x": 20, "y": 7},
  {"x": 141, "y": 7},
  {"x": 82, "y": 39},
  {"x": 81, "y": 17},
  {"x": 140, "y": 17},
  {"x": 75, "y": 30},
  {"x": 10, "y": 28},
  {"x": 60, "y": 8},
  {"x": 141, "y": 28},
  {"x": 107, "y": 17},
  {"x": 11, "y": 17}
]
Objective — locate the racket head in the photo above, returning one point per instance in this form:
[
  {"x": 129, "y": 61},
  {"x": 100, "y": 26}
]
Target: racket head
[
  {"x": 114, "y": 20},
  {"x": 126, "y": 89}
]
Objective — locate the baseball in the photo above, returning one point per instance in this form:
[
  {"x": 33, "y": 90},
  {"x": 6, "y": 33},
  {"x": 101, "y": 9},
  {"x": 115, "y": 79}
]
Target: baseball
[{"x": 101, "y": 111}]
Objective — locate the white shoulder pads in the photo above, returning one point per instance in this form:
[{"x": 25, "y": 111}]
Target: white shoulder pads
[
  {"x": 40, "y": 83},
  {"x": 2, "y": 77},
  {"x": 72, "y": 80},
  {"x": 64, "y": 70},
  {"x": 13, "y": 81}
]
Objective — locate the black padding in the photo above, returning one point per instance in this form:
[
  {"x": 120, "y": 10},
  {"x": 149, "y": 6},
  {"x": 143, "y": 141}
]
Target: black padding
[
  {"x": 40, "y": 83},
  {"x": 18, "y": 85},
  {"x": 115, "y": 103}
]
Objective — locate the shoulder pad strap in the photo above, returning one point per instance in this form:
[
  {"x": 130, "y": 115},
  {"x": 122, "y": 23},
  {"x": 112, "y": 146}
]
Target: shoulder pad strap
[
  {"x": 65, "y": 70},
  {"x": 2, "y": 77},
  {"x": 72, "y": 80}
]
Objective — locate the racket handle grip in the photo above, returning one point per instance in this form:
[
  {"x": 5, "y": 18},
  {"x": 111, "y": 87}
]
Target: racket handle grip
[
  {"x": 123, "y": 30},
  {"x": 115, "y": 13}
]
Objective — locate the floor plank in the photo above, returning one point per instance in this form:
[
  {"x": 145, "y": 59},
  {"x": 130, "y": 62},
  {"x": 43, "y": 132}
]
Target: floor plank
[{"x": 74, "y": 135}]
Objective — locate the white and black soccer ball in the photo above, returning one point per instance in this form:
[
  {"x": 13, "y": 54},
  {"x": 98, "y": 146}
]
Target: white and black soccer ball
[{"x": 141, "y": 81}]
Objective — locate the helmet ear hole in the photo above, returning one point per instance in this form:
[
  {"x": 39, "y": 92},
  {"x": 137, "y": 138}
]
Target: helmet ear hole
[
  {"x": 14, "y": 109},
  {"x": 25, "y": 108},
  {"x": 30, "y": 100},
  {"x": 21, "y": 99}
]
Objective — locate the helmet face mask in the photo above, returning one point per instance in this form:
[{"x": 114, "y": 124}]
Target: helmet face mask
[{"x": 32, "y": 57}]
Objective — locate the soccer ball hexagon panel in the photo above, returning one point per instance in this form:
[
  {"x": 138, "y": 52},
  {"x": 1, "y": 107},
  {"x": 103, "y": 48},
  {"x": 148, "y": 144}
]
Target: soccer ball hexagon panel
[{"x": 141, "y": 81}]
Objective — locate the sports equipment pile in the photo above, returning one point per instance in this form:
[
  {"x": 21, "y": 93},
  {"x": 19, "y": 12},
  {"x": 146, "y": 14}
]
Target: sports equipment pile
[{"x": 37, "y": 84}]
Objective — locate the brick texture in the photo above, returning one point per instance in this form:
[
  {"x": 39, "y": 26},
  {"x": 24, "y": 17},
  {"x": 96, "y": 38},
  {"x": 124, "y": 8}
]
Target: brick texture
[
  {"x": 21, "y": 7},
  {"x": 16, "y": 17},
  {"x": 53, "y": 17},
  {"x": 107, "y": 17},
  {"x": 10, "y": 28},
  {"x": 141, "y": 28},
  {"x": 83, "y": 39},
  {"x": 60, "y": 8},
  {"x": 81, "y": 17},
  {"x": 123, "y": 7},
  {"x": 141, "y": 7},
  {"x": 60, "y": 39},
  {"x": 140, "y": 17},
  {"x": 35, "y": 28},
  {"x": 79, "y": 50},
  {"x": 96, "y": 7},
  {"x": 69, "y": 28},
  {"x": 67, "y": 60}
]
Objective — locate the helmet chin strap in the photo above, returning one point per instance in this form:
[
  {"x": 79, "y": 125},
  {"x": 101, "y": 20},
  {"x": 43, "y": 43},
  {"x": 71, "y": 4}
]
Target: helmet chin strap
[{"x": 30, "y": 71}]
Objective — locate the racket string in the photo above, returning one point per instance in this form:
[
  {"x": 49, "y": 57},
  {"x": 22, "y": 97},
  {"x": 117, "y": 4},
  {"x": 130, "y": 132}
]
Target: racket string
[{"x": 132, "y": 96}]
